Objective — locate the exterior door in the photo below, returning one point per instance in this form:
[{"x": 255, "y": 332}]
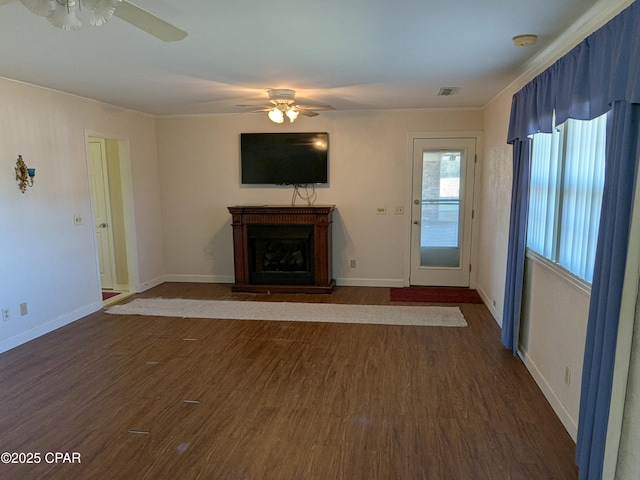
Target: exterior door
[
  {"x": 442, "y": 209},
  {"x": 101, "y": 210}
]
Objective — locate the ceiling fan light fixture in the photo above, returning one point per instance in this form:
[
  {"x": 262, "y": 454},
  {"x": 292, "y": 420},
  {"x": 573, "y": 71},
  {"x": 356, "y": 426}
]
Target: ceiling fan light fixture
[
  {"x": 276, "y": 115},
  {"x": 292, "y": 114},
  {"x": 101, "y": 10},
  {"x": 64, "y": 16},
  {"x": 282, "y": 106}
]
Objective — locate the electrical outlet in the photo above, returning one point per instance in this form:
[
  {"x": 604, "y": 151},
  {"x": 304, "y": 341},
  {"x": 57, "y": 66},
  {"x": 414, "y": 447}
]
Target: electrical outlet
[
  {"x": 381, "y": 210},
  {"x": 352, "y": 263},
  {"x": 5, "y": 314},
  {"x": 23, "y": 309},
  {"x": 398, "y": 210}
]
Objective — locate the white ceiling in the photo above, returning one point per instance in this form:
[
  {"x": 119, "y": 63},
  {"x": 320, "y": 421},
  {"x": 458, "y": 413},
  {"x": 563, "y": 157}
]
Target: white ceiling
[{"x": 351, "y": 54}]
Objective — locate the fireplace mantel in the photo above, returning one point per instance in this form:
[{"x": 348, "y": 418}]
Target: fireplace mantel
[{"x": 317, "y": 217}]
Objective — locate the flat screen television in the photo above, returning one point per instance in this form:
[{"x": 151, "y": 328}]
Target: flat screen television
[{"x": 284, "y": 158}]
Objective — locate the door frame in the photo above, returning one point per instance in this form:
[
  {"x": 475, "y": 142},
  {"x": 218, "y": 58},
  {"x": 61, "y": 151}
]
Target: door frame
[
  {"x": 104, "y": 192},
  {"x": 127, "y": 203},
  {"x": 411, "y": 137}
]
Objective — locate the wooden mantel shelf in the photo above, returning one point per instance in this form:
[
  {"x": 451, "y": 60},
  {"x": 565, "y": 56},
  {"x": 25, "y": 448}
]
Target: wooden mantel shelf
[{"x": 318, "y": 217}]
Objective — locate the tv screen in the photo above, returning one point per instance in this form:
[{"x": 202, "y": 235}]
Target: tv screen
[{"x": 284, "y": 158}]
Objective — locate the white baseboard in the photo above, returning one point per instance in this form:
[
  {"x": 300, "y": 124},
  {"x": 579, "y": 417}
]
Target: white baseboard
[
  {"x": 346, "y": 282},
  {"x": 570, "y": 423},
  {"x": 369, "y": 282},
  {"x": 198, "y": 278},
  {"x": 497, "y": 316},
  {"x": 43, "y": 329},
  {"x": 150, "y": 284}
]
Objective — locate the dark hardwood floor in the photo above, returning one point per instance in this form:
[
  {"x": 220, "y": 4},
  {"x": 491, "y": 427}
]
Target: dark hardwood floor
[{"x": 167, "y": 398}]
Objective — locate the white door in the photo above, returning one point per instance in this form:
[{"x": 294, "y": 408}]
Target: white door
[
  {"x": 101, "y": 210},
  {"x": 442, "y": 208}
]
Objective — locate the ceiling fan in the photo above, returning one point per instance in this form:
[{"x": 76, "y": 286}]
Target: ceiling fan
[
  {"x": 67, "y": 14},
  {"x": 283, "y": 104}
]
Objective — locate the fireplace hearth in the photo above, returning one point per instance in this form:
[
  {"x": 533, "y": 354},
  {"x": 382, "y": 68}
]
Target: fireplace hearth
[{"x": 282, "y": 248}]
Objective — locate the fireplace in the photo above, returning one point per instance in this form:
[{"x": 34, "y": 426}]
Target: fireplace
[
  {"x": 282, "y": 248},
  {"x": 280, "y": 254}
]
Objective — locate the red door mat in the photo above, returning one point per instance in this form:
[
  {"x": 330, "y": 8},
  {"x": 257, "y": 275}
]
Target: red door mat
[
  {"x": 434, "y": 295},
  {"x": 106, "y": 295}
]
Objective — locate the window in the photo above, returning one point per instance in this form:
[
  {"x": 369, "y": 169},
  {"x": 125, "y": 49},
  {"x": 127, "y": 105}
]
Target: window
[{"x": 567, "y": 178}]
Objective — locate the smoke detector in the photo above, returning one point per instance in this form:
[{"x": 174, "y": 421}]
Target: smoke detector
[{"x": 525, "y": 40}]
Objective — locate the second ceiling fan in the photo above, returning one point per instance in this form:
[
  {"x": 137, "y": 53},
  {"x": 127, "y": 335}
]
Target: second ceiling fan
[{"x": 283, "y": 105}]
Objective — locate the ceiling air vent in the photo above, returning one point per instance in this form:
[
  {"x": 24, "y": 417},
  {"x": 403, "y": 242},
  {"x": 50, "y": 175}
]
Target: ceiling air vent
[{"x": 447, "y": 91}]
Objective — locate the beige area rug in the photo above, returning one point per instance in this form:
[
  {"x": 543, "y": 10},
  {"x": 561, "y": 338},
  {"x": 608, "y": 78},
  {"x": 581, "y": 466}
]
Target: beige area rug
[{"x": 431, "y": 316}]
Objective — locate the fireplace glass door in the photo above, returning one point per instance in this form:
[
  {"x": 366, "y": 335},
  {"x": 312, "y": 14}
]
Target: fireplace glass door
[{"x": 281, "y": 255}]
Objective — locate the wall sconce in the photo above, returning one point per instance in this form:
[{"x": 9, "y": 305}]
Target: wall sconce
[{"x": 24, "y": 175}]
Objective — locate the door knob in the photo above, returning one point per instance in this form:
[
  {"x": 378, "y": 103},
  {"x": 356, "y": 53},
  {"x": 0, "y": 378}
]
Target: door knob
[
  {"x": 417, "y": 202},
  {"x": 415, "y": 222},
  {"x": 103, "y": 225}
]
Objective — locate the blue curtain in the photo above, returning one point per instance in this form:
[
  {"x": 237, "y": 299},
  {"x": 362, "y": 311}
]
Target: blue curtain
[
  {"x": 517, "y": 244},
  {"x": 623, "y": 149},
  {"x": 602, "y": 73}
]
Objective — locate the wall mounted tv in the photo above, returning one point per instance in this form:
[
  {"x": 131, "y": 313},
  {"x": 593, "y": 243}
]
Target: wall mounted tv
[{"x": 284, "y": 158}]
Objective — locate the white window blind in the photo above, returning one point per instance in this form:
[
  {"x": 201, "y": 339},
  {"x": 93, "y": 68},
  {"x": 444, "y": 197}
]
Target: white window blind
[
  {"x": 544, "y": 193},
  {"x": 567, "y": 178}
]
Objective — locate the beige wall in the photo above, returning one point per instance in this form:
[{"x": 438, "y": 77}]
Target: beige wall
[
  {"x": 46, "y": 260},
  {"x": 494, "y": 203},
  {"x": 552, "y": 337},
  {"x": 200, "y": 176}
]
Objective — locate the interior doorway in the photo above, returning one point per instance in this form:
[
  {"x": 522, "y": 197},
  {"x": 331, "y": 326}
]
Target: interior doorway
[
  {"x": 442, "y": 211},
  {"x": 111, "y": 214}
]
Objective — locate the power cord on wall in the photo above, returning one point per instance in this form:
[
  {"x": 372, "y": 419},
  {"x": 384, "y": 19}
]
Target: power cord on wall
[{"x": 309, "y": 196}]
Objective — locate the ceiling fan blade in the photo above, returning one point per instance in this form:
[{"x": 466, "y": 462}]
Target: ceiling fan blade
[
  {"x": 315, "y": 107},
  {"x": 148, "y": 22},
  {"x": 308, "y": 113},
  {"x": 265, "y": 109}
]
